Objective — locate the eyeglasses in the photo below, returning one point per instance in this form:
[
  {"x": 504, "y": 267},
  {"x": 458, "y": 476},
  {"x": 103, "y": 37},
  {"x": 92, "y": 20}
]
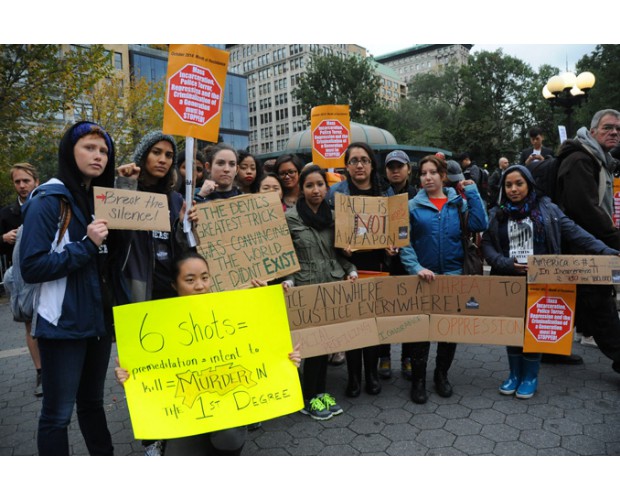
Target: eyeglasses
[
  {"x": 288, "y": 173},
  {"x": 354, "y": 161},
  {"x": 609, "y": 128}
]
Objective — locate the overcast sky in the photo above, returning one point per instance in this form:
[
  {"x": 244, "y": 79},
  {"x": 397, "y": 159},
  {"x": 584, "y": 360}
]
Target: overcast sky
[{"x": 535, "y": 55}]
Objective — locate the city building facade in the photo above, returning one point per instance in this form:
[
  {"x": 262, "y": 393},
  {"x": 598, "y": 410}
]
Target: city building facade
[{"x": 420, "y": 59}]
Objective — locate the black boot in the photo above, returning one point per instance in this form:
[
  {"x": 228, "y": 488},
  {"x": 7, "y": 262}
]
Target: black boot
[
  {"x": 418, "y": 381},
  {"x": 354, "y": 370},
  {"x": 442, "y": 386},
  {"x": 371, "y": 359}
]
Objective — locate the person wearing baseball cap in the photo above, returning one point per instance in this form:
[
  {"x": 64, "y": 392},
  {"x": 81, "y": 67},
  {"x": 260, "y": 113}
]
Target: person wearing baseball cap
[{"x": 398, "y": 173}]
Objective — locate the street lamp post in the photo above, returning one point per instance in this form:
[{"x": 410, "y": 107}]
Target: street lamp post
[{"x": 568, "y": 91}]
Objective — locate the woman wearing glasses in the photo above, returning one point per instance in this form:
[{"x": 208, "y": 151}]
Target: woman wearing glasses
[
  {"x": 287, "y": 168},
  {"x": 362, "y": 180}
]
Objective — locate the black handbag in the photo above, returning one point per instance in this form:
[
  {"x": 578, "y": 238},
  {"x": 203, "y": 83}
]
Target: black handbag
[{"x": 472, "y": 263}]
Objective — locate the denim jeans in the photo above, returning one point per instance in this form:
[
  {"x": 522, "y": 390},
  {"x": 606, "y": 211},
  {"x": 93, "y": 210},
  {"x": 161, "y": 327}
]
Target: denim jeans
[{"x": 73, "y": 374}]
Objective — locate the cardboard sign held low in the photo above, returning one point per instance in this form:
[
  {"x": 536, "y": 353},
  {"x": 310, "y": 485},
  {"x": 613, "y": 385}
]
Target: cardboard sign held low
[
  {"x": 574, "y": 269},
  {"x": 127, "y": 209},
  {"x": 370, "y": 222}
]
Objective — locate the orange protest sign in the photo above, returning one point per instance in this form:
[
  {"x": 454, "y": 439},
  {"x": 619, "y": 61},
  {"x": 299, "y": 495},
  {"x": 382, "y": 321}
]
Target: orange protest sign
[
  {"x": 550, "y": 318},
  {"x": 331, "y": 133},
  {"x": 195, "y": 91}
]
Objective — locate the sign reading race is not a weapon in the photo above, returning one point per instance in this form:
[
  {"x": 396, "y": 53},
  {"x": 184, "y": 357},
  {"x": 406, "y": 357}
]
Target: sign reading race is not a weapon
[
  {"x": 203, "y": 363},
  {"x": 127, "y": 209},
  {"x": 370, "y": 222},
  {"x": 244, "y": 238}
]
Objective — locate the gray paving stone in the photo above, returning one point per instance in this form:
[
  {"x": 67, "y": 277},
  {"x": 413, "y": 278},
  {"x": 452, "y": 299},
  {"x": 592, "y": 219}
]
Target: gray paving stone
[
  {"x": 524, "y": 421},
  {"x": 462, "y": 427},
  {"x": 436, "y": 438},
  {"x": 474, "y": 445},
  {"x": 540, "y": 438},
  {"x": 500, "y": 432}
]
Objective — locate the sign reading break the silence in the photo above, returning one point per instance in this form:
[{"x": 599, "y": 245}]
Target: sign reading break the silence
[
  {"x": 128, "y": 209},
  {"x": 202, "y": 363},
  {"x": 330, "y": 126},
  {"x": 244, "y": 238},
  {"x": 195, "y": 91},
  {"x": 367, "y": 222}
]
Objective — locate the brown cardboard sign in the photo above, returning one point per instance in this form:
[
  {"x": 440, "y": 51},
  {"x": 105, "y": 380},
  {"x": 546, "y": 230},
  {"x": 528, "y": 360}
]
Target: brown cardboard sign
[
  {"x": 451, "y": 294},
  {"x": 574, "y": 269},
  {"x": 476, "y": 329},
  {"x": 331, "y": 303},
  {"x": 338, "y": 337},
  {"x": 368, "y": 222},
  {"x": 244, "y": 238},
  {"x": 128, "y": 209},
  {"x": 399, "y": 329}
]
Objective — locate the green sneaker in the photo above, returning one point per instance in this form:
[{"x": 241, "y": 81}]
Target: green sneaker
[
  {"x": 330, "y": 403},
  {"x": 316, "y": 410}
]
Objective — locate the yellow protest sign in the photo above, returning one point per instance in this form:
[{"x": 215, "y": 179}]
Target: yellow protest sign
[
  {"x": 195, "y": 91},
  {"x": 127, "y": 209},
  {"x": 370, "y": 222},
  {"x": 207, "y": 362},
  {"x": 244, "y": 238},
  {"x": 331, "y": 135}
]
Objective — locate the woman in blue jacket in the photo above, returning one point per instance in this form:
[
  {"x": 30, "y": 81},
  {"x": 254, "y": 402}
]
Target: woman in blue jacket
[
  {"x": 74, "y": 257},
  {"x": 524, "y": 224},
  {"x": 436, "y": 248}
]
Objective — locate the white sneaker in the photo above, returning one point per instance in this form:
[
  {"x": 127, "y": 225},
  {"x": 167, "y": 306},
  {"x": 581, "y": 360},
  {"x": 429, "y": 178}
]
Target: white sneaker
[{"x": 589, "y": 341}]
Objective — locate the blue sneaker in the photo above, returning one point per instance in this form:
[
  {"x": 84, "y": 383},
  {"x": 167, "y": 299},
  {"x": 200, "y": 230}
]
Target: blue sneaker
[{"x": 316, "y": 410}]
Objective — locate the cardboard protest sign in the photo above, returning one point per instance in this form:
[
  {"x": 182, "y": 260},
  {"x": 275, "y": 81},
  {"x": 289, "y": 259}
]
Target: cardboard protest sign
[
  {"x": 195, "y": 91},
  {"x": 476, "y": 329},
  {"x": 574, "y": 269},
  {"x": 550, "y": 318},
  {"x": 369, "y": 222},
  {"x": 244, "y": 238},
  {"x": 466, "y": 309},
  {"x": 203, "y": 363},
  {"x": 331, "y": 134},
  {"x": 127, "y": 209},
  {"x": 338, "y": 337}
]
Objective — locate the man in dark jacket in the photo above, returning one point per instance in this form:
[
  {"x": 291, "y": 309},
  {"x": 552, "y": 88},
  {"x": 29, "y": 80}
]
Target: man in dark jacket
[
  {"x": 585, "y": 193},
  {"x": 537, "y": 152},
  {"x": 25, "y": 178}
]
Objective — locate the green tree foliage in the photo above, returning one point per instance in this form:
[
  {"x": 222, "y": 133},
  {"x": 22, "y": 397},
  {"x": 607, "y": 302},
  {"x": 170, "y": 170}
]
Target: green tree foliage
[
  {"x": 126, "y": 109},
  {"x": 331, "y": 79},
  {"x": 604, "y": 63},
  {"x": 38, "y": 83}
]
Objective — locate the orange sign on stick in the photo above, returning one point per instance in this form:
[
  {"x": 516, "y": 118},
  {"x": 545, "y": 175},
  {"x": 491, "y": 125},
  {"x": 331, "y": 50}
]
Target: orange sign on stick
[
  {"x": 195, "y": 91},
  {"x": 330, "y": 125}
]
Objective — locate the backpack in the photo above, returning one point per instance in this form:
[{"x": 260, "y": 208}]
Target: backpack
[
  {"x": 22, "y": 294},
  {"x": 545, "y": 174}
]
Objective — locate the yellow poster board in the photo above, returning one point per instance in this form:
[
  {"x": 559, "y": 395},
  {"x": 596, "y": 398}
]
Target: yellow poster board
[
  {"x": 195, "y": 91},
  {"x": 330, "y": 126},
  {"x": 207, "y": 362}
]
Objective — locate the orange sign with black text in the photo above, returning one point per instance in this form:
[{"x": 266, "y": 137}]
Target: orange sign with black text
[
  {"x": 331, "y": 135},
  {"x": 195, "y": 91},
  {"x": 550, "y": 319}
]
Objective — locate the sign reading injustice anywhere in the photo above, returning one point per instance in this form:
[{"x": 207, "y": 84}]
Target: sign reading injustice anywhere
[
  {"x": 202, "y": 363},
  {"x": 128, "y": 209},
  {"x": 367, "y": 222},
  {"x": 244, "y": 238},
  {"x": 194, "y": 92}
]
